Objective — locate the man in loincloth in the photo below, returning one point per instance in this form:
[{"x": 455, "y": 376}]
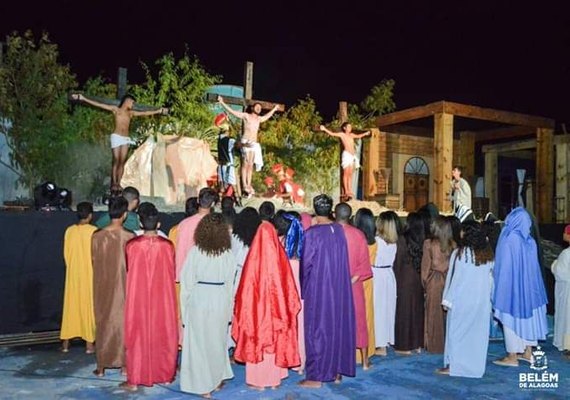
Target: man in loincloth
[
  {"x": 348, "y": 160},
  {"x": 251, "y": 150},
  {"x": 120, "y": 139}
]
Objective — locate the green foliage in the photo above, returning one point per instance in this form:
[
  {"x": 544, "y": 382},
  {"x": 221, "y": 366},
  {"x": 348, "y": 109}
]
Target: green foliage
[
  {"x": 380, "y": 100},
  {"x": 293, "y": 140},
  {"x": 181, "y": 85},
  {"x": 33, "y": 97}
]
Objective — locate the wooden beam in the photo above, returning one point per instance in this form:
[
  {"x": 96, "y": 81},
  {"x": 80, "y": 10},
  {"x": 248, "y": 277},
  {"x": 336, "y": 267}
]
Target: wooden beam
[
  {"x": 489, "y": 114},
  {"x": 491, "y": 180},
  {"x": 248, "y": 80},
  {"x": 371, "y": 164},
  {"x": 504, "y": 133},
  {"x": 467, "y": 153},
  {"x": 266, "y": 105},
  {"x": 524, "y": 154},
  {"x": 409, "y": 114},
  {"x": 544, "y": 175},
  {"x": 121, "y": 82},
  {"x": 511, "y": 146},
  {"x": 408, "y": 130},
  {"x": 443, "y": 154}
]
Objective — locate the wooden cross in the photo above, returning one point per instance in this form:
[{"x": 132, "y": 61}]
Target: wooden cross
[
  {"x": 121, "y": 91},
  {"x": 246, "y": 100}
]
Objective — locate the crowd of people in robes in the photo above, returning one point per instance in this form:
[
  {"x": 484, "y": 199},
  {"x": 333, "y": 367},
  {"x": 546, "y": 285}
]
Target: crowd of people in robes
[{"x": 315, "y": 293}]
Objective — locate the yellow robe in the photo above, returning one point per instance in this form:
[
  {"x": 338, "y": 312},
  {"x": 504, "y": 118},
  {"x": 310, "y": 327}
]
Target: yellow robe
[
  {"x": 172, "y": 236},
  {"x": 369, "y": 301},
  {"x": 78, "y": 317}
]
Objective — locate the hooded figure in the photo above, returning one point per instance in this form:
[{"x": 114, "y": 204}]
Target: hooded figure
[
  {"x": 265, "y": 314},
  {"x": 519, "y": 299}
]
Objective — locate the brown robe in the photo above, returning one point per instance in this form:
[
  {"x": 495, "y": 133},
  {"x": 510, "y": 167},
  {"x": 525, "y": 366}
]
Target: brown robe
[
  {"x": 434, "y": 270},
  {"x": 109, "y": 276},
  {"x": 409, "y": 330}
]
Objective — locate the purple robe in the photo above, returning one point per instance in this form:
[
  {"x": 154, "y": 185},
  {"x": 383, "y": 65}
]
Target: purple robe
[
  {"x": 520, "y": 297},
  {"x": 330, "y": 336}
]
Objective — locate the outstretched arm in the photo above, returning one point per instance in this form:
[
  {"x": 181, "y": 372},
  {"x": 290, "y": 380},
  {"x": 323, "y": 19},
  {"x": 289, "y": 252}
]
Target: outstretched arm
[
  {"x": 330, "y": 133},
  {"x": 161, "y": 110},
  {"x": 235, "y": 113},
  {"x": 360, "y": 135},
  {"x": 80, "y": 97},
  {"x": 269, "y": 114}
]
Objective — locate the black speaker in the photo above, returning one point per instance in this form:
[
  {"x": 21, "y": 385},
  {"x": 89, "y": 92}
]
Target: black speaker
[{"x": 47, "y": 196}]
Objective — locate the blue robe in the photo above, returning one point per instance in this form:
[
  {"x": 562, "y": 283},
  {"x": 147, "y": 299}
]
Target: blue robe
[
  {"x": 330, "y": 338},
  {"x": 467, "y": 294},
  {"x": 520, "y": 298}
]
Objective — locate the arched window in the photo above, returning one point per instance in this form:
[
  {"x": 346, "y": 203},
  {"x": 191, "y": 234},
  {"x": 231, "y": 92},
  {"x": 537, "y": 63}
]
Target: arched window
[{"x": 416, "y": 166}]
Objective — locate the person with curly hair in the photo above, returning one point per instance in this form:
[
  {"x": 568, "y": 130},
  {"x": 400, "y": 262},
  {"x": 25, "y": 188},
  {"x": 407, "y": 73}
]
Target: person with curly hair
[
  {"x": 435, "y": 263},
  {"x": 385, "y": 286},
  {"x": 467, "y": 298},
  {"x": 365, "y": 221},
  {"x": 206, "y": 287},
  {"x": 409, "y": 330}
]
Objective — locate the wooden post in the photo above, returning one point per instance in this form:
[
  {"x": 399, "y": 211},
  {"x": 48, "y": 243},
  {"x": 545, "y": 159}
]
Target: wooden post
[
  {"x": 371, "y": 161},
  {"x": 248, "y": 81},
  {"x": 491, "y": 180},
  {"x": 121, "y": 82},
  {"x": 561, "y": 193},
  {"x": 443, "y": 155},
  {"x": 342, "y": 118},
  {"x": 467, "y": 153},
  {"x": 544, "y": 175}
]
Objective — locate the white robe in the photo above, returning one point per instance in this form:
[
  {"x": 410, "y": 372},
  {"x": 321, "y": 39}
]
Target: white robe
[
  {"x": 384, "y": 293},
  {"x": 561, "y": 271},
  {"x": 467, "y": 295},
  {"x": 206, "y": 289},
  {"x": 239, "y": 250}
]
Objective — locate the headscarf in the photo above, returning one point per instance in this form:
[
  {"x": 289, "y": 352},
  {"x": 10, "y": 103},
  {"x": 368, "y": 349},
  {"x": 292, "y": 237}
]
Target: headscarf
[{"x": 294, "y": 237}]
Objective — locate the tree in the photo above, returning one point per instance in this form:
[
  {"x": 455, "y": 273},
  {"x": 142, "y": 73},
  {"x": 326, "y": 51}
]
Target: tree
[
  {"x": 293, "y": 140},
  {"x": 180, "y": 84},
  {"x": 33, "y": 97}
]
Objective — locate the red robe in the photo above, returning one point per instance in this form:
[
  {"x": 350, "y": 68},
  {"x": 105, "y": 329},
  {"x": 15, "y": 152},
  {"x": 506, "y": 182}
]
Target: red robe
[
  {"x": 359, "y": 262},
  {"x": 151, "y": 327},
  {"x": 266, "y": 304}
]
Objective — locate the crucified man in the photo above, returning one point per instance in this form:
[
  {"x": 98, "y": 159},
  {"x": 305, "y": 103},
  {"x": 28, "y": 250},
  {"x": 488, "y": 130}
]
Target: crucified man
[
  {"x": 120, "y": 139},
  {"x": 348, "y": 160},
  {"x": 250, "y": 148}
]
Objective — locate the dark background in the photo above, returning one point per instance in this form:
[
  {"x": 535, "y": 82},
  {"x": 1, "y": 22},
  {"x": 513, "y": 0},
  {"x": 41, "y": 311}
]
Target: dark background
[{"x": 501, "y": 54}]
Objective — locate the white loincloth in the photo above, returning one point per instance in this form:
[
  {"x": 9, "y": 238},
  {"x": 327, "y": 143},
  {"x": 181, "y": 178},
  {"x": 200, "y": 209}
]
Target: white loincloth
[
  {"x": 120, "y": 140},
  {"x": 348, "y": 160},
  {"x": 256, "y": 149}
]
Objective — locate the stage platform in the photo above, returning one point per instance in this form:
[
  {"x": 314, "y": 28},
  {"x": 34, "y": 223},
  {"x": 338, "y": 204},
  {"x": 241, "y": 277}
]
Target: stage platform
[{"x": 42, "y": 372}]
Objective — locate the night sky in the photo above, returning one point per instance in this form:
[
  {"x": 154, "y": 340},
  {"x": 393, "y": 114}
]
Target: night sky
[{"x": 497, "y": 54}]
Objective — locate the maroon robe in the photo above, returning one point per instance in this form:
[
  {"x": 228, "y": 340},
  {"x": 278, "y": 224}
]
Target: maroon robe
[
  {"x": 359, "y": 262},
  {"x": 151, "y": 327}
]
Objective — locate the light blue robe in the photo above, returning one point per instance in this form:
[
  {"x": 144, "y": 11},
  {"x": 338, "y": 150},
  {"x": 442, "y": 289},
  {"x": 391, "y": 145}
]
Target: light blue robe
[{"x": 467, "y": 295}]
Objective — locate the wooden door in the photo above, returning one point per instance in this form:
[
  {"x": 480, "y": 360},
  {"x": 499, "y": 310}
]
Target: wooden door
[{"x": 416, "y": 184}]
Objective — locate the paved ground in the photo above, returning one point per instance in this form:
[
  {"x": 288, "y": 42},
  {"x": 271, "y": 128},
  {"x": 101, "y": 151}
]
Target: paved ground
[{"x": 42, "y": 372}]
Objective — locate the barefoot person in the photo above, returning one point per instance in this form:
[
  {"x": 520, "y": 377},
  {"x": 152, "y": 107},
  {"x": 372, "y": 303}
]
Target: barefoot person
[
  {"x": 330, "y": 337},
  {"x": 348, "y": 161},
  {"x": 251, "y": 150},
  {"x": 360, "y": 271},
  {"x": 519, "y": 299},
  {"x": 120, "y": 140},
  {"x": 151, "y": 326},
  {"x": 109, "y": 279},
  {"x": 78, "y": 319}
]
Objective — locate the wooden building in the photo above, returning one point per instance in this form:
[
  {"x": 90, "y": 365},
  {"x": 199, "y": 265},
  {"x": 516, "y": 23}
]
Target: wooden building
[{"x": 417, "y": 159}]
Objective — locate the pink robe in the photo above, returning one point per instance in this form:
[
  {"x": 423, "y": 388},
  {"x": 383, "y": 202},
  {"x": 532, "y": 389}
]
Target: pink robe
[
  {"x": 185, "y": 240},
  {"x": 151, "y": 334},
  {"x": 300, "y": 323},
  {"x": 359, "y": 262}
]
